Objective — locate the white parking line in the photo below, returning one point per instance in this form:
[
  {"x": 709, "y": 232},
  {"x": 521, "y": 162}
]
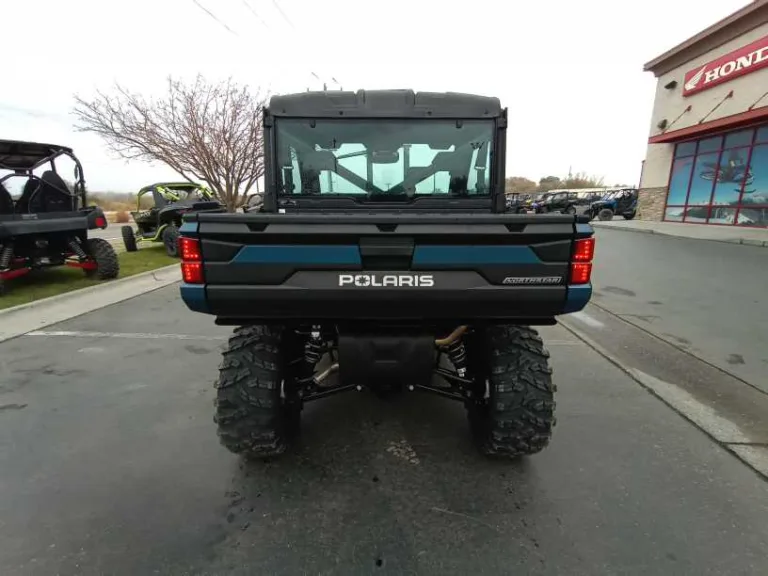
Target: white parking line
[
  {"x": 585, "y": 318},
  {"x": 128, "y": 335}
]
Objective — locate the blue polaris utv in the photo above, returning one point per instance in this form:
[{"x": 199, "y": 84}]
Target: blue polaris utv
[
  {"x": 384, "y": 258},
  {"x": 622, "y": 202}
]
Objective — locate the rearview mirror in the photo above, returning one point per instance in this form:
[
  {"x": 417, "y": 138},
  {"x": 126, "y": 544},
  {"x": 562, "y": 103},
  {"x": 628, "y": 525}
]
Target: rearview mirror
[{"x": 385, "y": 157}]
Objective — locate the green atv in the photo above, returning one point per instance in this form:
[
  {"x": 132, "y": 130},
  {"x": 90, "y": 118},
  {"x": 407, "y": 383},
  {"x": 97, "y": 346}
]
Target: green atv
[{"x": 160, "y": 223}]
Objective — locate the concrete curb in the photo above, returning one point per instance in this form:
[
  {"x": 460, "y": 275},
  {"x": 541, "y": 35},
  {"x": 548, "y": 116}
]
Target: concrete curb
[
  {"x": 741, "y": 241},
  {"x": 718, "y": 429},
  {"x": 19, "y": 320}
]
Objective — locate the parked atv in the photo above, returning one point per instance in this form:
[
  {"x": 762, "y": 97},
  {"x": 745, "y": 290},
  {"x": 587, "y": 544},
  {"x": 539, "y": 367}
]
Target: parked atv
[
  {"x": 48, "y": 224},
  {"x": 161, "y": 222},
  {"x": 537, "y": 204},
  {"x": 515, "y": 204},
  {"x": 562, "y": 202},
  {"x": 622, "y": 202}
]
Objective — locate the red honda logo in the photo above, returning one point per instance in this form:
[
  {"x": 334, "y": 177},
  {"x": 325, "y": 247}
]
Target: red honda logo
[{"x": 738, "y": 63}]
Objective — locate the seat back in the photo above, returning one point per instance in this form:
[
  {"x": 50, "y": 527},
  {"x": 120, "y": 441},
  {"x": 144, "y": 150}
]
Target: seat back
[
  {"x": 47, "y": 194},
  {"x": 6, "y": 201},
  {"x": 28, "y": 194},
  {"x": 54, "y": 195},
  {"x": 159, "y": 199}
]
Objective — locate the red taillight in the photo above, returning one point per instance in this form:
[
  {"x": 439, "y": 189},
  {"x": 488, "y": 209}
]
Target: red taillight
[
  {"x": 101, "y": 222},
  {"x": 191, "y": 260},
  {"x": 192, "y": 272},
  {"x": 189, "y": 249},
  {"x": 584, "y": 250},
  {"x": 581, "y": 266},
  {"x": 581, "y": 272}
]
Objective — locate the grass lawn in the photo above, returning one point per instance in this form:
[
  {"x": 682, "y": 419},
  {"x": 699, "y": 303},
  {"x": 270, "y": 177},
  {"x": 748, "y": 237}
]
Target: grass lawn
[{"x": 52, "y": 281}]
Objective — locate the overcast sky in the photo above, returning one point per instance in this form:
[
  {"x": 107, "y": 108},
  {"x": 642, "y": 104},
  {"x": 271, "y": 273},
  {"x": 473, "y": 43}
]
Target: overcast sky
[{"x": 569, "y": 72}]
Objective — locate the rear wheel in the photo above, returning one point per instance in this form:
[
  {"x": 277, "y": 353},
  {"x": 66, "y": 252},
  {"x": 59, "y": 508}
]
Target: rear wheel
[
  {"x": 629, "y": 215},
  {"x": 129, "y": 239},
  {"x": 105, "y": 257},
  {"x": 605, "y": 214},
  {"x": 251, "y": 411},
  {"x": 570, "y": 210},
  {"x": 171, "y": 240},
  {"x": 518, "y": 413}
]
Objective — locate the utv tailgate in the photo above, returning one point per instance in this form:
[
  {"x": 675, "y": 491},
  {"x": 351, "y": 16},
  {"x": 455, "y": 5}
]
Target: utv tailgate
[
  {"x": 394, "y": 267},
  {"x": 45, "y": 223}
]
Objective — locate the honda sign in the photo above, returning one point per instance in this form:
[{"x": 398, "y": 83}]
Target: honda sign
[{"x": 738, "y": 63}]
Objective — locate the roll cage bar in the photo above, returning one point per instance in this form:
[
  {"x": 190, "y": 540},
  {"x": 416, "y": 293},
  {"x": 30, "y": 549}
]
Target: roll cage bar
[
  {"x": 23, "y": 158},
  {"x": 160, "y": 191}
]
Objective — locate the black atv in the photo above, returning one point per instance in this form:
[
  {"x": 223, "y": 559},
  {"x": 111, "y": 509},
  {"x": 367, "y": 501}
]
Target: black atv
[
  {"x": 562, "y": 202},
  {"x": 161, "y": 222},
  {"x": 622, "y": 202},
  {"x": 48, "y": 223}
]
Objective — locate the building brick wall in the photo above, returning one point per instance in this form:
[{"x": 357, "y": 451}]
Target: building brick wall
[{"x": 650, "y": 203}]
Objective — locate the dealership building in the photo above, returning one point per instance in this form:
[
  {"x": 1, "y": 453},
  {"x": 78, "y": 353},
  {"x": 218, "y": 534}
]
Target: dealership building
[{"x": 707, "y": 158}]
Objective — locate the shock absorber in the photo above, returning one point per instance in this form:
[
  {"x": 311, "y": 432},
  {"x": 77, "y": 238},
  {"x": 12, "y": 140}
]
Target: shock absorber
[
  {"x": 457, "y": 353},
  {"x": 313, "y": 352},
  {"x": 313, "y": 349},
  {"x": 5, "y": 256},
  {"x": 77, "y": 249}
]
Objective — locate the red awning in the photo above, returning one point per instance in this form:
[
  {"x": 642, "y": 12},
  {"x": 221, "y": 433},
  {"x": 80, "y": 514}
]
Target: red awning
[{"x": 755, "y": 116}]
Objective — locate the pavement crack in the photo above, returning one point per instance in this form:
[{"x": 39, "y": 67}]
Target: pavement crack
[
  {"x": 466, "y": 516},
  {"x": 12, "y": 407}
]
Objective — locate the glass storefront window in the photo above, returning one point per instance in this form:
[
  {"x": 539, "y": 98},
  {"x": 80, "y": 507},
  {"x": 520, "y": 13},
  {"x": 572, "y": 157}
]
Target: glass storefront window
[
  {"x": 685, "y": 149},
  {"x": 721, "y": 180},
  {"x": 674, "y": 214},
  {"x": 742, "y": 138},
  {"x": 681, "y": 177},
  {"x": 754, "y": 200},
  {"x": 703, "y": 178},
  {"x": 710, "y": 144},
  {"x": 730, "y": 176},
  {"x": 720, "y": 215}
]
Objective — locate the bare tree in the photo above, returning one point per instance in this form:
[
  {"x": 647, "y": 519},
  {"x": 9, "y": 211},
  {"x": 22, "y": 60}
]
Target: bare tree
[
  {"x": 202, "y": 130},
  {"x": 518, "y": 184}
]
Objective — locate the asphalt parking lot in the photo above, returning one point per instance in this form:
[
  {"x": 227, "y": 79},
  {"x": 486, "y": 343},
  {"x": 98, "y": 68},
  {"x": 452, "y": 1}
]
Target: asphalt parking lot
[{"x": 109, "y": 464}]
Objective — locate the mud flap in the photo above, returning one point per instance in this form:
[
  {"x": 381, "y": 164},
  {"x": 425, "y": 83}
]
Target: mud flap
[{"x": 386, "y": 361}]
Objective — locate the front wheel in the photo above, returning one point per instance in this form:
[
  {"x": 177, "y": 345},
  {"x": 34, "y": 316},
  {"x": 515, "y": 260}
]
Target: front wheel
[
  {"x": 105, "y": 258},
  {"x": 606, "y": 214},
  {"x": 129, "y": 239},
  {"x": 517, "y": 414},
  {"x": 629, "y": 215},
  {"x": 171, "y": 240},
  {"x": 251, "y": 411},
  {"x": 570, "y": 210}
]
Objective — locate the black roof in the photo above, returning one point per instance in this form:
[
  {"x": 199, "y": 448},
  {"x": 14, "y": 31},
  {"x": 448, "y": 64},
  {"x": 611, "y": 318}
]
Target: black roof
[
  {"x": 385, "y": 104},
  {"x": 19, "y": 155},
  {"x": 190, "y": 185}
]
